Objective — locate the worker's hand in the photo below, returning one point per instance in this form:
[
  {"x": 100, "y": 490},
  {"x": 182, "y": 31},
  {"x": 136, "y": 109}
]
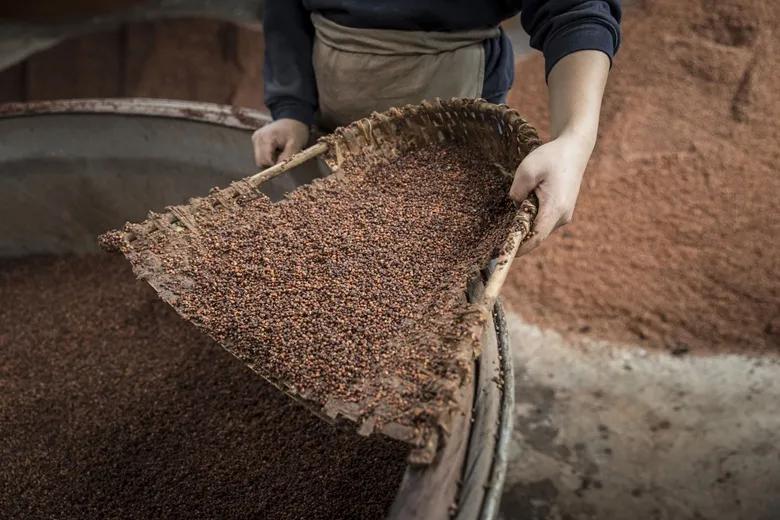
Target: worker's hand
[
  {"x": 277, "y": 141},
  {"x": 554, "y": 172}
]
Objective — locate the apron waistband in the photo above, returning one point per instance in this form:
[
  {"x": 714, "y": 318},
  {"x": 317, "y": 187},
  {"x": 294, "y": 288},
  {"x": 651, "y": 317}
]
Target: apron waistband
[{"x": 394, "y": 42}]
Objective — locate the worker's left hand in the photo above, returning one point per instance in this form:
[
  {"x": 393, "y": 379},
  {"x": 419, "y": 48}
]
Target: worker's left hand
[
  {"x": 554, "y": 172},
  {"x": 279, "y": 140}
]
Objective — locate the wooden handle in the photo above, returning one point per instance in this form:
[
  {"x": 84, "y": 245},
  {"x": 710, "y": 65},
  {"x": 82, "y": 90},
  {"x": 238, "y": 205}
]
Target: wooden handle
[
  {"x": 497, "y": 278},
  {"x": 528, "y": 209},
  {"x": 297, "y": 159}
]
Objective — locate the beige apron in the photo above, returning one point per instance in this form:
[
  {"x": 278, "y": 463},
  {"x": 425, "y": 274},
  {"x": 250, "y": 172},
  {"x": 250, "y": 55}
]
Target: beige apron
[{"x": 359, "y": 71}]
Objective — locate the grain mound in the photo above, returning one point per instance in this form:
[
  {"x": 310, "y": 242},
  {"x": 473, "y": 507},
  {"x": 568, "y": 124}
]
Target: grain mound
[
  {"x": 349, "y": 293},
  {"x": 674, "y": 242},
  {"x": 112, "y": 406}
]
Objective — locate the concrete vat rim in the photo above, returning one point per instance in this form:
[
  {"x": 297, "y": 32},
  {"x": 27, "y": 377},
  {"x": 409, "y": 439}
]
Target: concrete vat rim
[{"x": 231, "y": 116}]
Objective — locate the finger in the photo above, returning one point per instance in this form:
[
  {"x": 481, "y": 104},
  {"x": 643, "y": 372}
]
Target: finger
[
  {"x": 545, "y": 222},
  {"x": 526, "y": 180},
  {"x": 267, "y": 151},
  {"x": 256, "y": 141},
  {"x": 289, "y": 149}
]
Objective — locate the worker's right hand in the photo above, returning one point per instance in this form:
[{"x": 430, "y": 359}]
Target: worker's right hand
[{"x": 277, "y": 141}]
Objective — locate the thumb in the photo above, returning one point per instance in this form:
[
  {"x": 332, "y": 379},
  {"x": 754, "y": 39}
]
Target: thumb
[
  {"x": 526, "y": 180},
  {"x": 544, "y": 223}
]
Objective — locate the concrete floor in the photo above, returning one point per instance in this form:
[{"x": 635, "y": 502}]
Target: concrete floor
[{"x": 606, "y": 431}]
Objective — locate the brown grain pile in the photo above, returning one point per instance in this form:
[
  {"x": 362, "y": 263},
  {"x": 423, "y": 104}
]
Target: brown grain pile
[
  {"x": 674, "y": 241},
  {"x": 112, "y": 406},
  {"x": 352, "y": 290}
]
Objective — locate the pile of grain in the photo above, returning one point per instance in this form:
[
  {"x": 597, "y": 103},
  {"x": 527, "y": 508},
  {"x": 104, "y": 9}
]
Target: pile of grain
[
  {"x": 674, "y": 241},
  {"x": 351, "y": 290},
  {"x": 112, "y": 406}
]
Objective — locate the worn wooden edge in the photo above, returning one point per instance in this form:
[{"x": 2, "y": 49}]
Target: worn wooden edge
[
  {"x": 484, "y": 427},
  {"x": 432, "y": 492},
  {"x": 520, "y": 232},
  {"x": 382, "y": 137},
  {"x": 176, "y": 216},
  {"x": 495, "y": 484},
  {"x": 296, "y": 160}
]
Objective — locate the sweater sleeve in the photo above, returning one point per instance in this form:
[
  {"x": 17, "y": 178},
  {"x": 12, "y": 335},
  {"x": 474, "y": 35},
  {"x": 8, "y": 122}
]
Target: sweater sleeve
[
  {"x": 561, "y": 27},
  {"x": 290, "y": 86}
]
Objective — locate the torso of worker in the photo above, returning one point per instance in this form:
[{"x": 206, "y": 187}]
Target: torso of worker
[{"x": 348, "y": 58}]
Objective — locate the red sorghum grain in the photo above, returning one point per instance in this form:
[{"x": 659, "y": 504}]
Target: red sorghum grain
[
  {"x": 111, "y": 406},
  {"x": 674, "y": 244},
  {"x": 351, "y": 289}
]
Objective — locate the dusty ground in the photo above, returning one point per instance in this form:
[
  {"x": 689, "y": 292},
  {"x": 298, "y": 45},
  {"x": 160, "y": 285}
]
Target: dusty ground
[{"x": 615, "y": 431}]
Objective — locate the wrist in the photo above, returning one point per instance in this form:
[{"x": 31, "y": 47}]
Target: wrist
[
  {"x": 295, "y": 123},
  {"x": 581, "y": 140},
  {"x": 293, "y": 110}
]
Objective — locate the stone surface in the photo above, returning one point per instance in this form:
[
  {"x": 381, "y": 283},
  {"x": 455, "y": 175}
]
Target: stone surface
[{"x": 605, "y": 430}]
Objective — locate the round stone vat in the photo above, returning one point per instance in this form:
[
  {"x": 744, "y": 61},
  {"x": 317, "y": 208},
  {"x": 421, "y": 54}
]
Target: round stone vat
[{"x": 70, "y": 170}]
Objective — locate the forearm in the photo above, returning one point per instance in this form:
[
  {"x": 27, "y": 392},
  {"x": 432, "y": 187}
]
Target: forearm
[
  {"x": 576, "y": 84},
  {"x": 578, "y": 39},
  {"x": 290, "y": 87}
]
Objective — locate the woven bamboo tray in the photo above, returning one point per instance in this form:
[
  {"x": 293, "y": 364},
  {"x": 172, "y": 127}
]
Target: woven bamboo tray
[{"x": 498, "y": 131}]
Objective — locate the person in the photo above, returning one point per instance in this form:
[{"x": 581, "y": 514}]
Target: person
[{"x": 335, "y": 61}]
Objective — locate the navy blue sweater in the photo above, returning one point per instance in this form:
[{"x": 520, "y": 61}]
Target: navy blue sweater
[{"x": 557, "y": 28}]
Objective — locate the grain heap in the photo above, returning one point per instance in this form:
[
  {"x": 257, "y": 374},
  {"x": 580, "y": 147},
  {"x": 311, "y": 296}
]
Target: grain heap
[
  {"x": 673, "y": 244},
  {"x": 114, "y": 407},
  {"x": 351, "y": 290}
]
